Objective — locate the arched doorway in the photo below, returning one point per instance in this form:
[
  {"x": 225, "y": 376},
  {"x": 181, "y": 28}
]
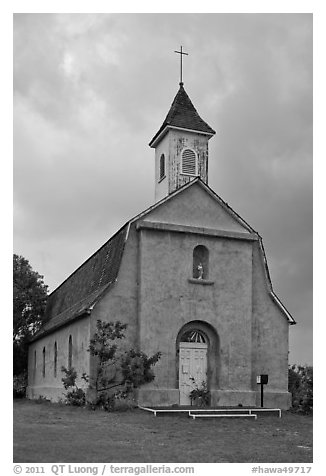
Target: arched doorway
[{"x": 197, "y": 358}]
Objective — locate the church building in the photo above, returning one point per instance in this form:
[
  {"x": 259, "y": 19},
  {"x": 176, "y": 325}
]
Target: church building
[{"x": 188, "y": 276}]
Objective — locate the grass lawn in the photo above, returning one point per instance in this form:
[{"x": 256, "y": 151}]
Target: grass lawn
[{"x": 47, "y": 432}]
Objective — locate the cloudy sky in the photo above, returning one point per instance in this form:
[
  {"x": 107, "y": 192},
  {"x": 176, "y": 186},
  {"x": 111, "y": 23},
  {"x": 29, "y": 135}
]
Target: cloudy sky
[{"x": 91, "y": 90}]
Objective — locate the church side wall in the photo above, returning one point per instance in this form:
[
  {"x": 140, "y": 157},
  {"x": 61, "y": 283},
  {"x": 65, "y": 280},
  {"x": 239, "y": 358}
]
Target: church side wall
[
  {"x": 47, "y": 384},
  {"x": 120, "y": 302},
  {"x": 270, "y": 339}
]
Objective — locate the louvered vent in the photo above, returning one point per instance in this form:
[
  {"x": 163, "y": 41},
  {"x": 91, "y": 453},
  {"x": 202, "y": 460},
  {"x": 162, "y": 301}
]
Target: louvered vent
[{"x": 189, "y": 162}]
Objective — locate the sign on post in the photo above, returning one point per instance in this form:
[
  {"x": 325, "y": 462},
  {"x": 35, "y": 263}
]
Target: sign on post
[{"x": 262, "y": 380}]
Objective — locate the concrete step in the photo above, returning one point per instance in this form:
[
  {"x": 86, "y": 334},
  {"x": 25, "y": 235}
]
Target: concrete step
[
  {"x": 222, "y": 415},
  {"x": 216, "y": 412}
]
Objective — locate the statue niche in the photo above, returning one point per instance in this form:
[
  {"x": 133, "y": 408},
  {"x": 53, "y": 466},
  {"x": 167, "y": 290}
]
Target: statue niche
[{"x": 200, "y": 262}]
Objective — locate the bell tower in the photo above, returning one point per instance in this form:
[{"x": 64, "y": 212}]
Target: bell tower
[{"x": 181, "y": 145}]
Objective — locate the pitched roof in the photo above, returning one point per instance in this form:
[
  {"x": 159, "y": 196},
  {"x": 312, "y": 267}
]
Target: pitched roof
[
  {"x": 83, "y": 288},
  {"x": 183, "y": 114}
]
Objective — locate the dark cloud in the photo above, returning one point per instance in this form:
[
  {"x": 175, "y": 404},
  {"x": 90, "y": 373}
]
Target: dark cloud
[{"x": 91, "y": 90}]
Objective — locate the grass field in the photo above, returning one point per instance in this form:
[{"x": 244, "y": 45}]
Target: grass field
[{"x": 46, "y": 433}]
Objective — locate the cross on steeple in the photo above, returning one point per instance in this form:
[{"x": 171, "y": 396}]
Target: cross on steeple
[{"x": 181, "y": 53}]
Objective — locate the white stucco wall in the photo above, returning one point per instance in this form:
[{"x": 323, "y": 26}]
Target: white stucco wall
[{"x": 49, "y": 385}]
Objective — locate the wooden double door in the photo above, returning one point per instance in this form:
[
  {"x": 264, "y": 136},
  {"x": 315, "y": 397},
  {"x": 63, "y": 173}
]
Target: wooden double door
[{"x": 192, "y": 368}]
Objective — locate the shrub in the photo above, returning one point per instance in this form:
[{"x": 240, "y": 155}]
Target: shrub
[
  {"x": 19, "y": 385},
  {"x": 105, "y": 402},
  {"x": 301, "y": 387},
  {"x": 75, "y": 395},
  {"x": 200, "y": 394}
]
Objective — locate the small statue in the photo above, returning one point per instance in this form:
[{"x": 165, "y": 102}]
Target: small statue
[{"x": 200, "y": 271}]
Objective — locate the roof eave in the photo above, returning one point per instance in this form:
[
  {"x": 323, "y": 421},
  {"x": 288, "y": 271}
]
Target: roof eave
[
  {"x": 290, "y": 319},
  {"x": 79, "y": 315},
  {"x": 272, "y": 294},
  {"x": 159, "y": 136},
  {"x": 86, "y": 311}
]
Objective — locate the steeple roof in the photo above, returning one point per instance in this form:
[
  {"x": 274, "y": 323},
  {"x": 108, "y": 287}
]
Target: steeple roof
[{"x": 183, "y": 114}]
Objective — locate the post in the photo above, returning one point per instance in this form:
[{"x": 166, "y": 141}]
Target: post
[{"x": 262, "y": 380}]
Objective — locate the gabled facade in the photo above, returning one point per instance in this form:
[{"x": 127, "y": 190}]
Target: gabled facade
[{"x": 189, "y": 276}]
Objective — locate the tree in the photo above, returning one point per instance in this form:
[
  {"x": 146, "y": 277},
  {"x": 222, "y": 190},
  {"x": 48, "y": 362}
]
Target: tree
[
  {"x": 29, "y": 296},
  {"x": 117, "y": 373},
  {"x": 102, "y": 347},
  {"x": 130, "y": 369}
]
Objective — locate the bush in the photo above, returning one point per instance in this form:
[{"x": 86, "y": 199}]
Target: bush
[
  {"x": 200, "y": 395},
  {"x": 19, "y": 385},
  {"x": 301, "y": 387},
  {"x": 119, "y": 400},
  {"x": 105, "y": 402},
  {"x": 75, "y": 395}
]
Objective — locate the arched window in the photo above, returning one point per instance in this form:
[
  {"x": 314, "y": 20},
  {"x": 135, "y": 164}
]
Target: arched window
[
  {"x": 162, "y": 167},
  {"x": 43, "y": 364},
  {"x": 200, "y": 262},
  {"x": 55, "y": 359},
  {"x": 70, "y": 353},
  {"x": 194, "y": 335},
  {"x": 189, "y": 162}
]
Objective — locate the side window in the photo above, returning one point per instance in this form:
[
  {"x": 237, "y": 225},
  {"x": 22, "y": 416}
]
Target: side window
[
  {"x": 34, "y": 365},
  {"x": 162, "y": 167},
  {"x": 55, "y": 359},
  {"x": 189, "y": 162},
  {"x": 43, "y": 363},
  {"x": 70, "y": 353},
  {"x": 200, "y": 262}
]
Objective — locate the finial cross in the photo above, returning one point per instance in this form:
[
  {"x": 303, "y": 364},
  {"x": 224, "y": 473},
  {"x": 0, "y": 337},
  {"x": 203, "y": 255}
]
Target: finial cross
[{"x": 181, "y": 53}]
